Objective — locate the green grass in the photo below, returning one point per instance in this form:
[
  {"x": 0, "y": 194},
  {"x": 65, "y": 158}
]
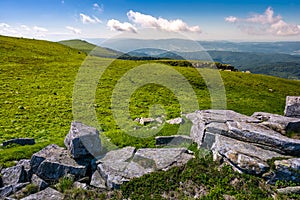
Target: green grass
[{"x": 37, "y": 80}]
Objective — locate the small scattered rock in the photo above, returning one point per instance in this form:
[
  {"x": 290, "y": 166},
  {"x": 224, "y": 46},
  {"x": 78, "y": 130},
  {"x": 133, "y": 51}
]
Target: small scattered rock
[
  {"x": 177, "y": 120},
  {"x": 48, "y": 193},
  {"x": 20, "y": 141}
]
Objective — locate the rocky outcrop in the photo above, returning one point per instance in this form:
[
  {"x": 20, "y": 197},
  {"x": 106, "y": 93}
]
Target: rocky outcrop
[
  {"x": 83, "y": 141},
  {"x": 289, "y": 190},
  {"x": 11, "y": 189},
  {"x": 292, "y": 106},
  {"x": 19, "y": 141},
  {"x": 244, "y": 142},
  {"x": 54, "y": 162},
  {"x": 121, "y": 165},
  {"x": 48, "y": 193}
]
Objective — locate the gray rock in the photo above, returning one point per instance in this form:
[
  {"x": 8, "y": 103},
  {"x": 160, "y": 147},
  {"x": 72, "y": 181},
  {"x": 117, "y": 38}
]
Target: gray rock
[
  {"x": 11, "y": 189},
  {"x": 13, "y": 175},
  {"x": 120, "y": 155},
  {"x": 39, "y": 182},
  {"x": 257, "y": 134},
  {"x": 54, "y": 162},
  {"x": 292, "y": 106},
  {"x": 97, "y": 181},
  {"x": 244, "y": 157},
  {"x": 26, "y": 164},
  {"x": 48, "y": 193},
  {"x": 288, "y": 170},
  {"x": 164, "y": 158},
  {"x": 177, "y": 120},
  {"x": 20, "y": 141},
  {"x": 116, "y": 170},
  {"x": 278, "y": 123},
  {"x": 79, "y": 185},
  {"x": 83, "y": 141},
  {"x": 145, "y": 121},
  {"x": 289, "y": 190},
  {"x": 173, "y": 140}
]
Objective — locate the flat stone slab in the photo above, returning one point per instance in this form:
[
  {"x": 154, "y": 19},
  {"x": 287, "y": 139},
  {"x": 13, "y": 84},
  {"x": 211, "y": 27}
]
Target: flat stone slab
[
  {"x": 121, "y": 165},
  {"x": 48, "y": 193},
  {"x": 278, "y": 123},
  {"x": 54, "y": 162}
]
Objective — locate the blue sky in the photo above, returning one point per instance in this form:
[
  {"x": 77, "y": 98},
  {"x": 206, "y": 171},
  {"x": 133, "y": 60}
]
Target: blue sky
[{"x": 245, "y": 20}]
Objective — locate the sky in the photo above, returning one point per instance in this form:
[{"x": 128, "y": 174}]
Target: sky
[{"x": 243, "y": 20}]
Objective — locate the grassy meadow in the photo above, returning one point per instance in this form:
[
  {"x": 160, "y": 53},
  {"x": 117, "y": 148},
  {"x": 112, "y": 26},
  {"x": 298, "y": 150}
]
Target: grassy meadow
[{"x": 37, "y": 82}]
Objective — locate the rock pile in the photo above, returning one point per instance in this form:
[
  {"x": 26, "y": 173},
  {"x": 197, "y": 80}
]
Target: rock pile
[
  {"x": 247, "y": 143},
  {"x": 82, "y": 160}
]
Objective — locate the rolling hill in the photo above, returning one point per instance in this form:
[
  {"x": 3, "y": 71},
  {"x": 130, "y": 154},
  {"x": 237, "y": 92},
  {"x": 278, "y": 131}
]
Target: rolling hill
[
  {"x": 91, "y": 48},
  {"x": 37, "y": 81}
]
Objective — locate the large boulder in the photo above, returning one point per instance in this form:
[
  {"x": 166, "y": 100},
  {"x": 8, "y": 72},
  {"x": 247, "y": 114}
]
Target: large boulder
[
  {"x": 292, "y": 106},
  {"x": 13, "y": 175},
  {"x": 54, "y": 162},
  {"x": 83, "y": 141},
  {"x": 121, "y": 165},
  {"x": 278, "y": 123},
  {"x": 48, "y": 193}
]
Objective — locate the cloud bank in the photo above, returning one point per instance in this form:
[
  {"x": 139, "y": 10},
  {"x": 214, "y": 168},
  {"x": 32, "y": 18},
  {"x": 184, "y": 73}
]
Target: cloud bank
[
  {"x": 266, "y": 23},
  {"x": 147, "y": 21}
]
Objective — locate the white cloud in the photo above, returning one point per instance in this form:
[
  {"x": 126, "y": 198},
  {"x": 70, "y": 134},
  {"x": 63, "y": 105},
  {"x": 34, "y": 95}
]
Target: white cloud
[
  {"x": 39, "y": 29},
  {"x": 74, "y": 30},
  {"x": 89, "y": 20},
  {"x": 25, "y": 28},
  {"x": 116, "y": 25},
  {"x": 98, "y": 8},
  {"x": 231, "y": 19},
  {"x": 266, "y": 23},
  {"x": 148, "y": 21},
  {"x": 4, "y": 25}
]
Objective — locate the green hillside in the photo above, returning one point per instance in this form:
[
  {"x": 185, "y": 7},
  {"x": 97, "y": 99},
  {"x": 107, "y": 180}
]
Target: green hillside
[
  {"x": 91, "y": 48},
  {"x": 37, "y": 82}
]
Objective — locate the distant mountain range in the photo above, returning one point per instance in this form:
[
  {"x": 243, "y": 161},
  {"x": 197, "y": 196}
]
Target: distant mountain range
[{"x": 280, "y": 59}]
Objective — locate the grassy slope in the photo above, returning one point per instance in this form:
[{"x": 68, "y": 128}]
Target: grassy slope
[
  {"x": 37, "y": 79},
  {"x": 91, "y": 48}
]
